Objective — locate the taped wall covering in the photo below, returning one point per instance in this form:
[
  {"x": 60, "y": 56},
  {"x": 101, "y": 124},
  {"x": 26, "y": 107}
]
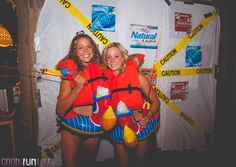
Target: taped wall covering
[
  {"x": 56, "y": 27},
  {"x": 175, "y": 133}
]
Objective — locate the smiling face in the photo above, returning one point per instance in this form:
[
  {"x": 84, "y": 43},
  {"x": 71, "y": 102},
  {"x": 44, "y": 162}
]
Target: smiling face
[
  {"x": 114, "y": 59},
  {"x": 84, "y": 50}
]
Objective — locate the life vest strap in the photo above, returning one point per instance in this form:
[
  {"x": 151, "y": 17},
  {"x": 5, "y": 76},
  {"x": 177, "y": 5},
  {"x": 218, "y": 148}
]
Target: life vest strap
[
  {"x": 129, "y": 89},
  {"x": 103, "y": 77}
]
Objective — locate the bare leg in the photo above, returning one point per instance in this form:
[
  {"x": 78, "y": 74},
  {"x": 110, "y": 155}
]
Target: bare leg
[
  {"x": 121, "y": 155},
  {"x": 90, "y": 150},
  {"x": 70, "y": 144},
  {"x": 142, "y": 151}
]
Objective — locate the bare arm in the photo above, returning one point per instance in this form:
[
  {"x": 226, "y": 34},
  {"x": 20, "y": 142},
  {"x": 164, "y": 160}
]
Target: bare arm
[
  {"x": 152, "y": 98},
  {"x": 67, "y": 95}
]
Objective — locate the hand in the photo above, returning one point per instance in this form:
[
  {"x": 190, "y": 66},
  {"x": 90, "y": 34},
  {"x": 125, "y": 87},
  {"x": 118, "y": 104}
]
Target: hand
[
  {"x": 143, "y": 121},
  {"x": 79, "y": 82}
]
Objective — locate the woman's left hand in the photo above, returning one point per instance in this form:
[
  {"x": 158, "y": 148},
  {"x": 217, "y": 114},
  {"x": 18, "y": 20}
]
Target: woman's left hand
[{"x": 143, "y": 121}]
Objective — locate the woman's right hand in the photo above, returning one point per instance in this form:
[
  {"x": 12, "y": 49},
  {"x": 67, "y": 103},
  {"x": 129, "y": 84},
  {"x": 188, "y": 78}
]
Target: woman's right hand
[{"x": 79, "y": 82}]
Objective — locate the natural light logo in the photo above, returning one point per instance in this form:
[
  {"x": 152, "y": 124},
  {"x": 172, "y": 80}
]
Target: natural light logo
[{"x": 143, "y": 36}]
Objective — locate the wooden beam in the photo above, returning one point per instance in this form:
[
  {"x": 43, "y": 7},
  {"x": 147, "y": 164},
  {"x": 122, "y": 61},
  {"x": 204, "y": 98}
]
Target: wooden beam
[{"x": 28, "y": 12}]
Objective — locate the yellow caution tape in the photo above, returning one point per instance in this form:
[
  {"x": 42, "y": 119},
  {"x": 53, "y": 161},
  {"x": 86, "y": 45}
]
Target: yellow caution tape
[
  {"x": 179, "y": 112},
  {"x": 84, "y": 21},
  {"x": 50, "y": 151},
  {"x": 192, "y": 71},
  {"x": 182, "y": 72},
  {"x": 50, "y": 71},
  {"x": 183, "y": 42}
]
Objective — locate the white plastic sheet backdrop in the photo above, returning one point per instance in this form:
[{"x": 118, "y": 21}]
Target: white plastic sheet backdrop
[{"x": 56, "y": 27}]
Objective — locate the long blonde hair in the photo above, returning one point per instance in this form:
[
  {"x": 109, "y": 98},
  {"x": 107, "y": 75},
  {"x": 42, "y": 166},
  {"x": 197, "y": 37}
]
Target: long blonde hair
[{"x": 123, "y": 51}]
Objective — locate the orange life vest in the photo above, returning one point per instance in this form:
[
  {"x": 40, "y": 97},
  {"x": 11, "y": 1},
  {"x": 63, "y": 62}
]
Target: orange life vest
[
  {"x": 95, "y": 76},
  {"x": 126, "y": 87}
]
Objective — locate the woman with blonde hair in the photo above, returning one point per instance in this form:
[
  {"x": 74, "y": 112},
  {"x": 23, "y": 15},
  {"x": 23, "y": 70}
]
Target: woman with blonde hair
[{"x": 136, "y": 121}]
